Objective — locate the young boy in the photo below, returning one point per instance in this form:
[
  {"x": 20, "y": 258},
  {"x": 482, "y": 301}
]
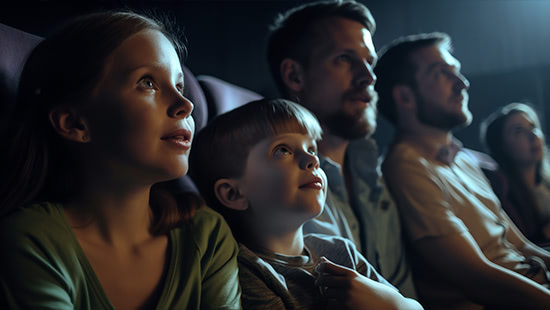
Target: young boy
[{"x": 257, "y": 165}]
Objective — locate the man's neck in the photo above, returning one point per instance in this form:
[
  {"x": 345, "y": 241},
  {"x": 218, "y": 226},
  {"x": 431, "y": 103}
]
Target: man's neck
[
  {"x": 426, "y": 135},
  {"x": 334, "y": 148}
]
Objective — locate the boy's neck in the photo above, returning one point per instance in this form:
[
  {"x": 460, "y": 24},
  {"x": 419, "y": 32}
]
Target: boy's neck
[{"x": 290, "y": 243}]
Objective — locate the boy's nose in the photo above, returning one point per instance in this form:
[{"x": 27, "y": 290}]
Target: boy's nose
[{"x": 310, "y": 161}]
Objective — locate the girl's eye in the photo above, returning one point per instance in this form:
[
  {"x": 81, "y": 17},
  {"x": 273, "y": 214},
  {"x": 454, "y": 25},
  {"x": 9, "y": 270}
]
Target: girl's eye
[
  {"x": 343, "y": 58},
  {"x": 312, "y": 151},
  {"x": 518, "y": 131},
  {"x": 180, "y": 88}
]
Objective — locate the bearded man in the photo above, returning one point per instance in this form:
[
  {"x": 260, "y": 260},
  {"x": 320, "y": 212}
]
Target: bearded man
[
  {"x": 322, "y": 56},
  {"x": 467, "y": 253}
]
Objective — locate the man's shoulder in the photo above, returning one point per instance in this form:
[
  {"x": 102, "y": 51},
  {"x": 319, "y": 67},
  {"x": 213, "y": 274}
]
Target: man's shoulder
[
  {"x": 479, "y": 159},
  {"x": 402, "y": 154}
]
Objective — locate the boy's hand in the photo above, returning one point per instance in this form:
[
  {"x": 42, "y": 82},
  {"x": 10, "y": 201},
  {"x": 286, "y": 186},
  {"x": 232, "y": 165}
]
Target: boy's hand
[{"x": 345, "y": 288}]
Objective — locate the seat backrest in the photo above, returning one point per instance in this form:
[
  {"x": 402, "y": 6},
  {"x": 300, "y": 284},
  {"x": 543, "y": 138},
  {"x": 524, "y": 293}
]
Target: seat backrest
[
  {"x": 15, "y": 47},
  {"x": 222, "y": 96},
  {"x": 193, "y": 91}
]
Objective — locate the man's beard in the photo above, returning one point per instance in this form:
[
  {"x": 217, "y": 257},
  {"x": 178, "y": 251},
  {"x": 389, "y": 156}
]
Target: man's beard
[
  {"x": 352, "y": 127},
  {"x": 434, "y": 116}
]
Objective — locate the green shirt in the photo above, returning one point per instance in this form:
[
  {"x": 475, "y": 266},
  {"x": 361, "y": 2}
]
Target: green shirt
[{"x": 42, "y": 265}]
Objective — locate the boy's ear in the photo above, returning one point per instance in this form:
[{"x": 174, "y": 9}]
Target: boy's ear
[
  {"x": 67, "y": 122},
  {"x": 403, "y": 95},
  {"x": 227, "y": 192},
  {"x": 292, "y": 74}
]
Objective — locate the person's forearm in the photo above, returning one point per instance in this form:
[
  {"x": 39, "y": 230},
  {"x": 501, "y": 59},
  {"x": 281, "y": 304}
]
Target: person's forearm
[
  {"x": 499, "y": 286},
  {"x": 483, "y": 281},
  {"x": 530, "y": 249},
  {"x": 410, "y": 304}
]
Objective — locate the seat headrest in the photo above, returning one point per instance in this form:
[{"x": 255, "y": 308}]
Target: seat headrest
[
  {"x": 222, "y": 96},
  {"x": 192, "y": 91},
  {"x": 15, "y": 47}
]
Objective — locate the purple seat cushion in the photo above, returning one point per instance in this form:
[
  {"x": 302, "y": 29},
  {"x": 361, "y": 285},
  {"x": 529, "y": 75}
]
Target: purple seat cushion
[
  {"x": 15, "y": 47},
  {"x": 222, "y": 96}
]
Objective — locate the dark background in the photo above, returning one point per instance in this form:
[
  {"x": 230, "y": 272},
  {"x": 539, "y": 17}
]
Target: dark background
[{"x": 504, "y": 45}]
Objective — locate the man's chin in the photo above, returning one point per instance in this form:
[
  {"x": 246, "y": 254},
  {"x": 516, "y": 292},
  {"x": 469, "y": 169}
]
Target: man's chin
[{"x": 357, "y": 131}]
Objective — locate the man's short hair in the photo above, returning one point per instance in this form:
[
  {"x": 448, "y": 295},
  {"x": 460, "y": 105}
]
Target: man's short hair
[
  {"x": 395, "y": 67},
  {"x": 221, "y": 149},
  {"x": 292, "y": 34}
]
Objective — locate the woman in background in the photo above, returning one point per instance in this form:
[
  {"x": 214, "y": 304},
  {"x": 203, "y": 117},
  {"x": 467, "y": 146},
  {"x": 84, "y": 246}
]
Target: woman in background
[
  {"x": 514, "y": 138},
  {"x": 100, "y": 120}
]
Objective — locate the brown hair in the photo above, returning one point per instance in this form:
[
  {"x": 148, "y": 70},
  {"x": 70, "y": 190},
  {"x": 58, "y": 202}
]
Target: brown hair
[
  {"x": 291, "y": 32},
  {"x": 63, "y": 70},
  {"x": 492, "y": 137},
  {"x": 396, "y": 67},
  {"x": 221, "y": 149}
]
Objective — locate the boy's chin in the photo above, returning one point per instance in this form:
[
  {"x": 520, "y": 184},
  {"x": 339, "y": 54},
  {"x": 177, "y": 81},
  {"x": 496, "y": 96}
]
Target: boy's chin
[{"x": 316, "y": 212}]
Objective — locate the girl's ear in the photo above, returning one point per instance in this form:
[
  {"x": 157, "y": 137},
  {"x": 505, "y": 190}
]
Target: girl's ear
[
  {"x": 227, "y": 192},
  {"x": 292, "y": 74},
  {"x": 67, "y": 122}
]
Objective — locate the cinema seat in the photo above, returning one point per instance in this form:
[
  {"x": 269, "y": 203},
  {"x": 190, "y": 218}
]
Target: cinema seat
[{"x": 222, "y": 96}]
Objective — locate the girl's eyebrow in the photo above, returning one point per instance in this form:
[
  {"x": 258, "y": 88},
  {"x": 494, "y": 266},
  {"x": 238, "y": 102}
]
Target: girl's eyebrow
[{"x": 154, "y": 67}]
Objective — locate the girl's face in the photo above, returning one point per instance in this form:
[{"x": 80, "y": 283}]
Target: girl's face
[
  {"x": 523, "y": 140},
  {"x": 140, "y": 123}
]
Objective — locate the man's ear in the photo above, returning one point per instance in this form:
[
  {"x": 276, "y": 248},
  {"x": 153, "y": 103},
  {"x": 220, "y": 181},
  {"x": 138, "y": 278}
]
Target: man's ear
[
  {"x": 292, "y": 74},
  {"x": 67, "y": 122},
  {"x": 227, "y": 192},
  {"x": 403, "y": 96}
]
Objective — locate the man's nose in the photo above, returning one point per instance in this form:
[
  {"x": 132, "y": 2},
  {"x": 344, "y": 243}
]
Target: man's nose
[{"x": 365, "y": 75}]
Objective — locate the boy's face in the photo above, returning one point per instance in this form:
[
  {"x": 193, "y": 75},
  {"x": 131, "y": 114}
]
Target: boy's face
[{"x": 283, "y": 182}]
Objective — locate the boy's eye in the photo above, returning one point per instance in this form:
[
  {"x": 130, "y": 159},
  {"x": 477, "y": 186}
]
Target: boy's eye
[
  {"x": 147, "y": 82},
  {"x": 282, "y": 150}
]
